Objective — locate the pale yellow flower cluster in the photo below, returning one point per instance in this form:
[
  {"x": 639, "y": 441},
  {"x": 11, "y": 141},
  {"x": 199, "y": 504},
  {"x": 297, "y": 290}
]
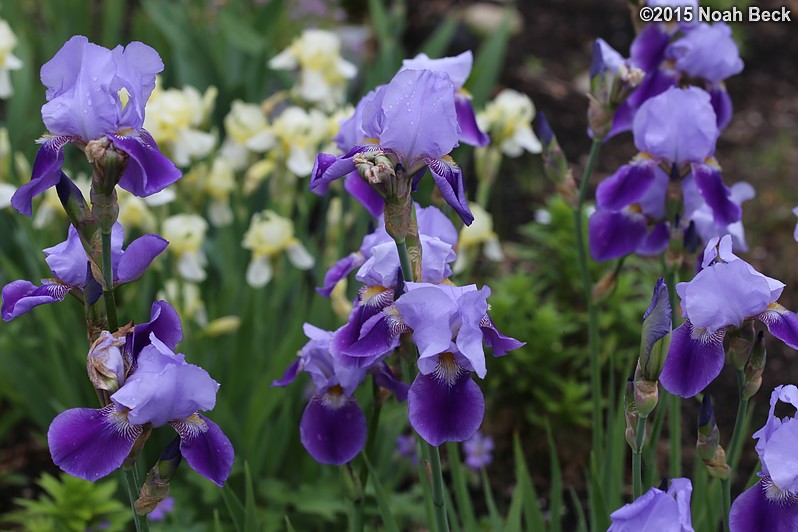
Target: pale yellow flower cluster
[
  {"x": 269, "y": 235},
  {"x": 8, "y": 61},
  {"x": 508, "y": 121},
  {"x": 323, "y": 73}
]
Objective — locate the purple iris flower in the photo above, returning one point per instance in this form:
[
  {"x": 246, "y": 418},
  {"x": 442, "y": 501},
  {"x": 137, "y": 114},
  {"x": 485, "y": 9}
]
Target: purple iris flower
[
  {"x": 697, "y": 211},
  {"x": 94, "y": 92},
  {"x": 378, "y": 259},
  {"x": 702, "y": 54},
  {"x": 676, "y": 134},
  {"x": 657, "y": 510},
  {"x": 162, "y": 388},
  {"x": 414, "y": 118},
  {"x": 458, "y": 68},
  {"x": 71, "y": 271},
  {"x": 449, "y": 325},
  {"x": 726, "y": 293},
  {"x": 772, "y": 503},
  {"x": 478, "y": 449},
  {"x": 333, "y": 427}
]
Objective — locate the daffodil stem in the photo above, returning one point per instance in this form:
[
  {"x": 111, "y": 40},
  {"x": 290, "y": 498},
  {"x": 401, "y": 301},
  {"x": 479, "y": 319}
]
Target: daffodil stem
[{"x": 592, "y": 312}]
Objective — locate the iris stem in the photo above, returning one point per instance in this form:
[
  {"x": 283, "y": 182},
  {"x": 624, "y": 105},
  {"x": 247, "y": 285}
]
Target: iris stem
[
  {"x": 637, "y": 454},
  {"x": 675, "y": 406},
  {"x": 438, "y": 501},
  {"x": 108, "y": 284},
  {"x": 374, "y": 421},
  {"x": 734, "y": 448},
  {"x": 128, "y": 478},
  {"x": 592, "y": 313}
]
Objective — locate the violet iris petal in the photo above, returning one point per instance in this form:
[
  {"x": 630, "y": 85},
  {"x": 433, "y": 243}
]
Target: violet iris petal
[
  {"x": 68, "y": 259},
  {"x": 678, "y": 126},
  {"x": 164, "y": 387},
  {"x": 657, "y": 318},
  {"x": 494, "y": 339},
  {"x": 627, "y": 185},
  {"x": 470, "y": 133},
  {"x": 724, "y": 294},
  {"x": 148, "y": 170},
  {"x": 614, "y": 234},
  {"x": 605, "y": 58},
  {"x": 138, "y": 256},
  {"x": 164, "y": 324},
  {"x": 333, "y": 433},
  {"x": 694, "y": 360},
  {"x": 433, "y": 223},
  {"x": 326, "y": 370},
  {"x": 449, "y": 178},
  {"x": 21, "y": 296},
  {"x": 657, "y": 510},
  {"x": 707, "y": 52},
  {"x": 441, "y": 412},
  {"x": 339, "y": 271},
  {"x": 414, "y": 116},
  {"x": 457, "y": 67},
  {"x": 205, "y": 447},
  {"x": 648, "y": 48},
  {"x": 716, "y": 194},
  {"x": 722, "y": 104},
  {"x": 290, "y": 374},
  {"x": 752, "y": 511},
  {"x": 429, "y": 312},
  {"x": 656, "y": 241},
  {"x": 782, "y": 323},
  {"x": 89, "y": 443},
  {"x": 385, "y": 378}
]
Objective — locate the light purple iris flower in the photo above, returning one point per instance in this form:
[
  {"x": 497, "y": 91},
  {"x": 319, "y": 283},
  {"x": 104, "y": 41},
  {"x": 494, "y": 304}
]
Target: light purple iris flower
[
  {"x": 161, "y": 389},
  {"x": 449, "y": 325},
  {"x": 70, "y": 267},
  {"x": 665, "y": 511},
  {"x": 726, "y": 293},
  {"x": 772, "y": 503},
  {"x": 458, "y": 68},
  {"x": 676, "y": 134},
  {"x": 379, "y": 264},
  {"x": 414, "y": 118},
  {"x": 478, "y": 449},
  {"x": 702, "y": 53},
  {"x": 94, "y": 92},
  {"x": 333, "y": 427}
]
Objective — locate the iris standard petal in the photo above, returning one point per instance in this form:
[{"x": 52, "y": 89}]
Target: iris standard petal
[
  {"x": 694, "y": 360},
  {"x": 205, "y": 447},
  {"x": 68, "y": 259},
  {"x": 428, "y": 312},
  {"x": 457, "y": 67},
  {"x": 470, "y": 133},
  {"x": 138, "y": 256},
  {"x": 289, "y": 375},
  {"x": 164, "y": 324},
  {"x": 779, "y": 459},
  {"x": 333, "y": 429},
  {"x": 89, "y": 443},
  {"x": 148, "y": 170},
  {"x": 441, "y": 412},
  {"x": 752, "y": 511},
  {"x": 722, "y": 104}
]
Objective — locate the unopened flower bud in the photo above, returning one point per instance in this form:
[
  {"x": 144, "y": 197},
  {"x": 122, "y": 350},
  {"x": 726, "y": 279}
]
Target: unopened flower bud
[
  {"x": 105, "y": 362},
  {"x": 646, "y": 394},
  {"x": 755, "y": 367},
  {"x": 655, "y": 339},
  {"x": 75, "y": 206},
  {"x": 156, "y": 486},
  {"x": 109, "y": 164},
  {"x": 708, "y": 443},
  {"x": 555, "y": 164},
  {"x": 630, "y": 413},
  {"x": 740, "y": 345}
]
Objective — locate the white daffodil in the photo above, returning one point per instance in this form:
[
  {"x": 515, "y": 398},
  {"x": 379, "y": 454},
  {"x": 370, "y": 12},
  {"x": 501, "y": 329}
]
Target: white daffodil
[
  {"x": 507, "y": 119},
  {"x": 186, "y": 234},
  {"x": 174, "y": 118},
  {"x": 480, "y": 232},
  {"x": 299, "y": 133},
  {"x": 137, "y": 212},
  {"x": 268, "y": 235},
  {"x": 8, "y": 61},
  {"x": 323, "y": 73},
  {"x": 219, "y": 184},
  {"x": 247, "y": 130}
]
